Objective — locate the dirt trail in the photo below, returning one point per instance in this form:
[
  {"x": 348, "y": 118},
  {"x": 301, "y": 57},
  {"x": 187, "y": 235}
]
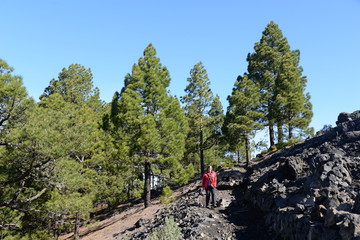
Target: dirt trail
[
  {"x": 233, "y": 219},
  {"x": 127, "y": 218},
  {"x": 105, "y": 229},
  {"x": 121, "y": 222}
]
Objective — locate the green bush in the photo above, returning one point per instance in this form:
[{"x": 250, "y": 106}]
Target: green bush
[
  {"x": 166, "y": 195},
  {"x": 288, "y": 143},
  {"x": 169, "y": 231},
  {"x": 36, "y": 235}
]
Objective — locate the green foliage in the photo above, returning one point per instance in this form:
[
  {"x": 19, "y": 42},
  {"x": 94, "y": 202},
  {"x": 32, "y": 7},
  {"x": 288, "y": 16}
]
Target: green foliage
[
  {"x": 165, "y": 196},
  {"x": 282, "y": 145},
  {"x": 185, "y": 174},
  {"x": 228, "y": 162},
  {"x": 260, "y": 146},
  {"x": 34, "y": 235},
  {"x": 75, "y": 85},
  {"x": 169, "y": 231},
  {"x": 70, "y": 115},
  {"x": 50, "y": 168},
  {"x": 288, "y": 143},
  {"x": 275, "y": 68},
  {"x": 205, "y": 117},
  {"x": 14, "y": 101},
  {"x": 10, "y": 220},
  {"x": 214, "y": 144},
  {"x": 149, "y": 121},
  {"x": 273, "y": 148},
  {"x": 243, "y": 116},
  {"x": 74, "y": 190},
  {"x": 19, "y": 166}
]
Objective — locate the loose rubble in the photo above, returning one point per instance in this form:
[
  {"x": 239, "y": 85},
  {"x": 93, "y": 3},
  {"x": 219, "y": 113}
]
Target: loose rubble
[{"x": 305, "y": 192}]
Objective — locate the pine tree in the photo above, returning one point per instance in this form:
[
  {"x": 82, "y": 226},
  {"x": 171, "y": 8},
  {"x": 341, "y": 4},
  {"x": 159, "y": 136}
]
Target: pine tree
[
  {"x": 243, "y": 115},
  {"x": 275, "y": 68},
  {"x": 118, "y": 163},
  {"x": 214, "y": 145},
  {"x": 75, "y": 85},
  {"x": 14, "y": 100},
  {"x": 296, "y": 110},
  {"x": 216, "y": 114},
  {"x": 198, "y": 100},
  {"x": 152, "y": 120},
  {"x": 17, "y": 170},
  {"x": 70, "y": 111}
]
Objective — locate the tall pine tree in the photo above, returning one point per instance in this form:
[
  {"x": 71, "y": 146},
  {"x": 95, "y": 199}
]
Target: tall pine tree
[
  {"x": 275, "y": 68},
  {"x": 243, "y": 115},
  {"x": 216, "y": 149},
  {"x": 18, "y": 170},
  {"x": 198, "y": 101},
  {"x": 153, "y": 121},
  {"x": 71, "y": 110},
  {"x": 294, "y": 106},
  {"x": 75, "y": 85}
]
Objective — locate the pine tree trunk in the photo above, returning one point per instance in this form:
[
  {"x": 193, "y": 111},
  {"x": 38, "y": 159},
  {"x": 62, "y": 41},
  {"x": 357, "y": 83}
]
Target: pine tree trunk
[
  {"x": 290, "y": 132},
  {"x": 147, "y": 184},
  {"x": 247, "y": 150},
  {"x": 201, "y": 152},
  {"x": 77, "y": 224},
  {"x": 280, "y": 134},
  {"x": 272, "y": 135},
  {"x": 56, "y": 228},
  {"x": 238, "y": 156}
]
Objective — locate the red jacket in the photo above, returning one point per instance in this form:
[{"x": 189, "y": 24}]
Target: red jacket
[{"x": 209, "y": 177}]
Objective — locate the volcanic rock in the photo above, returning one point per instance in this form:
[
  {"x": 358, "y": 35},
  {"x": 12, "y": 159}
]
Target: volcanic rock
[
  {"x": 305, "y": 192},
  {"x": 310, "y": 190}
]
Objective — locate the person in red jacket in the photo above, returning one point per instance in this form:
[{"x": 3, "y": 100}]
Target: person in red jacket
[{"x": 209, "y": 182}]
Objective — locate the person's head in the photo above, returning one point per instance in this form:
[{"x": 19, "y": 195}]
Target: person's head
[{"x": 209, "y": 169}]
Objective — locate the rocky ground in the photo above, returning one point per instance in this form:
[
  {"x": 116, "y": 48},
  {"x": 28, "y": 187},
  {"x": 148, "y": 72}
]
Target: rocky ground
[
  {"x": 309, "y": 191},
  {"x": 232, "y": 219}
]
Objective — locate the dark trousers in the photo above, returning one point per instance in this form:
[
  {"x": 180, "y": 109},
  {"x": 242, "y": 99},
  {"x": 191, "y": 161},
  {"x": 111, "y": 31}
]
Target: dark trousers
[{"x": 210, "y": 191}]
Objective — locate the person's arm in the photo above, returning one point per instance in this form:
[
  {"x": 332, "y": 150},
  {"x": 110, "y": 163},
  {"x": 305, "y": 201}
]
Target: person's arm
[{"x": 215, "y": 179}]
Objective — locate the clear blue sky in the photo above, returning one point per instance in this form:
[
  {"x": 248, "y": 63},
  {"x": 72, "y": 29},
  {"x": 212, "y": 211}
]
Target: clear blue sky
[{"x": 40, "y": 37}]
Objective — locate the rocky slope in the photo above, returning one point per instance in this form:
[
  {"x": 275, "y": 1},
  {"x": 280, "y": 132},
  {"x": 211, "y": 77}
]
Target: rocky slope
[
  {"x": 232, "y": 219},
  {"x": 305, "y": 192},
  {"x": 310, "y": 191}
]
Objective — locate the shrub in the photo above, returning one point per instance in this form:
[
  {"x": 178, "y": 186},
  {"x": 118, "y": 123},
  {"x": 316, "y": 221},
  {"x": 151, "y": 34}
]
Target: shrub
[
  {"x": 166, "y": 195},
  {"x": 169, "y": 231}
]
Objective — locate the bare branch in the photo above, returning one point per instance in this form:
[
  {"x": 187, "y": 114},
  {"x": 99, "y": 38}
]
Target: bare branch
[
  {"x": 25, "y": 174},
  {"x": 14, "y": 203}
]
